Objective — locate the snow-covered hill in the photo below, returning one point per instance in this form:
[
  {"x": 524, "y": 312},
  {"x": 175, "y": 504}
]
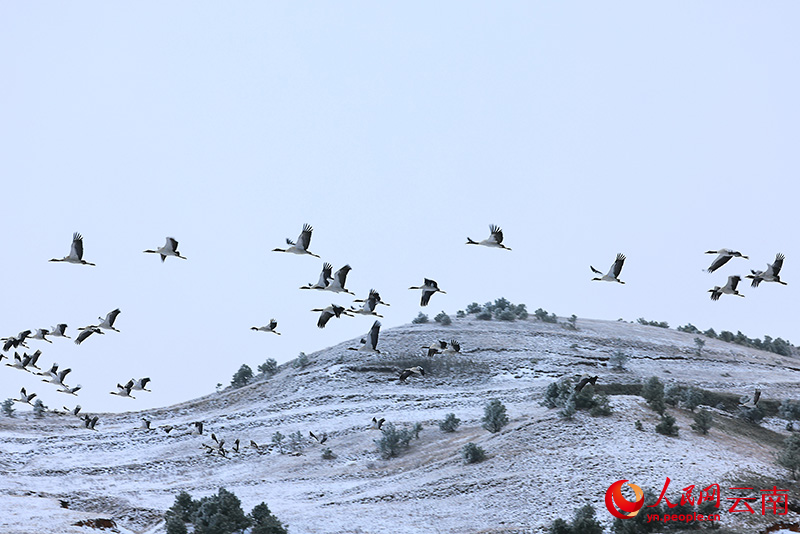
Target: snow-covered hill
[{"x": 539, "y": 466}]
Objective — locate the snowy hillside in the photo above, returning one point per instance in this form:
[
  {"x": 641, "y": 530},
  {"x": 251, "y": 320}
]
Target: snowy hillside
[{"x": 539, "y": 466}]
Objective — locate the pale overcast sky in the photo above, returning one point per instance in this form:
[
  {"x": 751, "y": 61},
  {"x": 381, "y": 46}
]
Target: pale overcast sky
[{"x": 657, "y": 129}]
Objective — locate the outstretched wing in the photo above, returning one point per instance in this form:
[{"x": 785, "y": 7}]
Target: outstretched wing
[
  {"x": 77, "y": 245},
  {"x": 304, "y": 239},
  {"x": 497, "y": 233},
  {"x": 617, "y": 268}
]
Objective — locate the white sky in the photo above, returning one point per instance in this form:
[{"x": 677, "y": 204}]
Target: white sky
[{"x": 659, "y": 130}]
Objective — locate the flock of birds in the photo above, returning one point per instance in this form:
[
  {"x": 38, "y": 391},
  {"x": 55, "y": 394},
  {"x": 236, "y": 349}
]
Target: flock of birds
[{"x": 334, "y": 282}]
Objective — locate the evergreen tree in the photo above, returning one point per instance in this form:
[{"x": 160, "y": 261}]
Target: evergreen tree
[
  {"x": 667, "y": 425},
  {"x": 789, "y": 457},
  {"x": 450, "y": 423},
  {"x": 175, "y": 525},
  {"x": 585, "y": 521},
  {"x": 184, "y": 507},
  {"x": 242, "y": 377},
  {"x": 264, "y": 522},
  {"x": 653, "y": 393},
  {"x": 220, "y": 514},
  {"x": 702, "y": 421},
  {"x": 39, "y": 408},
  {"x": 269, "y": 367},
  {"x": 472, "y": 453},
  {"x": 8, "y": 407},
  {"x": 494, "y": 416}
]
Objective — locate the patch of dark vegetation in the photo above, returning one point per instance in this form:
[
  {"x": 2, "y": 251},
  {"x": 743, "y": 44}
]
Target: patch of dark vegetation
[
  {"x": 659, "y": 324},
  {"x": 777, "y": 345},
  {"x": 501, "y": 310}
]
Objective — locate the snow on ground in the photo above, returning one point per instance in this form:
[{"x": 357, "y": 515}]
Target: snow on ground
[{"x": 539, "y": 467}]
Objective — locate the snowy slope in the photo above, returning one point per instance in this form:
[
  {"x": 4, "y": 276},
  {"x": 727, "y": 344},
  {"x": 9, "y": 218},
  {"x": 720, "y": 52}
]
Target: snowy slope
[{"x": 539, "y": 467}]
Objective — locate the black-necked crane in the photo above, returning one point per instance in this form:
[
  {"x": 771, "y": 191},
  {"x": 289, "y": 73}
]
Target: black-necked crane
[
  {"x": 41, "y": 333},
  {"x": 124, "y": 391},
  {"x": 319, "y": 439},
  {"x": 325, "y": 278},
  {"x": 727, "y": 289},
  {"x": 167, "y": 428},
  {"x": 145, "y": 424},
  {"x": 585, "y": 379},
  {"x": 58, "y": 378},
  {"x": 417, "y": 370},
  {"x": 254, "y": 445},
  {"x": 16, "y": 341},
  {"x": 724, "y": 256},
  {"x": 435, "y": 348},
  {"x": 70, "y": 390},
  {"x": 90, "y": 422},
  {"x": 453, "y": 348},
  {"x": 370, "y": 343},
  {"x": 106, "y": 323},
  {"x": 330, "y": 311},
  {"x": 428, "y": 288},
  {"x": 29, "y": 361},
  {"x": 337, "y": 282},
  {"x": 273, "y": 324},
  {"x": 613, "y": 272},
  {"x": 750, "y": 402},
  {"x": 170, "y": 248},
  {"x": 24, "y": 397},
  {"x": 301, "y": 246},
  {"x": 86, "y": 332},
  {"x": 373, "y": 295},
  {"x": 18, "y": 362},
  {"x": 772, "y": 274},
  {"x": 377, "y": 423},
  {"x": 368, "y": 308},
  {"x": 140, "y": 384},
  {"x": 74, "y": 411},
  {"x": 53, "y": 372},
  {"x": 494, "y": 240},
  {"x": 198, "y": 428},
  {"x": 76, "y": 252},
  {"x": 58, "y": 331}
]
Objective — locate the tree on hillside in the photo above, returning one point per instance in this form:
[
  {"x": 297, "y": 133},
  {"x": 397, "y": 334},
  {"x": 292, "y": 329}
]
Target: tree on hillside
[
  {"x": 494, "y": 416},
  {"x": 789, "y": 457},
  {"x": 242, "y": 377}
]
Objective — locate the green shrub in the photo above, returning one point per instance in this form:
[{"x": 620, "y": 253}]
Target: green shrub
[
  {"x": 472, "y": 453},
  {"x": 220, "y": 514},
  {"x": 394, "y": 441},
  {"x": 460, "y": 314},
  {"x": 269, "y": 367},
  {"x": 301, "y": 361},
  {"x": 506, "y": 315},
  {"x": 484, "y": 315},
  {"x": 653, "y": 393},
  {"x": 789, "y": 457},
  {"x": 450, "y": 423},
  {"x": 617, "y": 360},
  {"x": 543, "y": 316},
  {"x": 699, "y": 344},
  {"x": 494, "y": 416},
  {"x": 421, "y": 318},
  {"x": 264, "y": 522},
  {"x": 689, "y": 329},
  {"x": 242, "y": 377},
  {"x": 638, "y": 425},
  {"x": 789, "y": 410},
  {"x": 8, "y": 407},
  {"x": 585, "y": 521},
  {"x": 601, "y": 406},
  {"x": 474, "y": 308},
  {"x": 661, "y": 324},
  {"x": 702, "y": 421},
  {"x": 39, "y": 408},
  {"x": 174, "y": 525},
  {"x": 184, "y": 507},
  {"x": 751, "y": 415},
  {"x": 572, "y": 322},
  {"x": 667, "y": 425},
  {"x": 692, "y": 398},
  {"x": 277, "y": 440},
  {"x": 443, "y": 319}
]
